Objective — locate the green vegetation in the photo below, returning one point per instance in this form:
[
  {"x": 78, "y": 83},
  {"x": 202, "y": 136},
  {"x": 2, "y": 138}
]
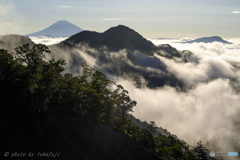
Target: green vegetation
[
  {"x": 30, "y": 84},
  {"x": 166, "y": 147}
]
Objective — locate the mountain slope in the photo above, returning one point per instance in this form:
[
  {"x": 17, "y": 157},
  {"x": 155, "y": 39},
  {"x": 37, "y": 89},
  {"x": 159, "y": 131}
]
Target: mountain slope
[
  {"x": 123, "y": 37},
  {"x": 208, "y": 40},
  {"x": 158, "y": 130},
  {"x": 59, "y": 29},
  {"x": 72, "y": 137},
  {"x": 115, "y": 38}
]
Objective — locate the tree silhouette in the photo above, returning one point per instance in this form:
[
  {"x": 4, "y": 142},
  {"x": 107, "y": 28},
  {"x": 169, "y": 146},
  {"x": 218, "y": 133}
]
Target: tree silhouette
[{"x": 200, "y": 151}]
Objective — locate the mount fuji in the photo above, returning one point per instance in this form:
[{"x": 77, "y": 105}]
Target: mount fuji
[{"x": 61, "y": 28}]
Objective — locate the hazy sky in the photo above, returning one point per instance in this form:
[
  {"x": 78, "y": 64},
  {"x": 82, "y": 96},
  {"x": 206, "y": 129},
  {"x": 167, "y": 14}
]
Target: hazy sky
[{"x": 151, "y": 18}]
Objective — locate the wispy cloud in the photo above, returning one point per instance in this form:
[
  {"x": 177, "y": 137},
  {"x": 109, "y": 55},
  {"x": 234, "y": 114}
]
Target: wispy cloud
[
  {"x": 110, "y": 19},
  {"x": 4, "y": 23},
  {"x": 11, "y": 20},
  {"x": 64, "y": 6},
  {"x": 236, "y": 12}
]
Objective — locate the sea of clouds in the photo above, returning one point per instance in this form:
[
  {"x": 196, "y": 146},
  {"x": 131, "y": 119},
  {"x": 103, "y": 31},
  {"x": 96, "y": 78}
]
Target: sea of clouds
[
  {"x": 208, "y": 110},
  {"x": 47, "y": 40}
]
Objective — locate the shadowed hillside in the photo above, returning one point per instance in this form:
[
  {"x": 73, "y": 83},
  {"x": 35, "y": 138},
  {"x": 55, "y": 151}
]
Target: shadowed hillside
[
  {"x": 75, "y": 138},
  {"x": 158, "y": 130}
]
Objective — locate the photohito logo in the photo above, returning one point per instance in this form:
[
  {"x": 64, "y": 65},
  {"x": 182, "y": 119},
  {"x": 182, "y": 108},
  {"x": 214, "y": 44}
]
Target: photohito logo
[{"x": 212, "y": 153}]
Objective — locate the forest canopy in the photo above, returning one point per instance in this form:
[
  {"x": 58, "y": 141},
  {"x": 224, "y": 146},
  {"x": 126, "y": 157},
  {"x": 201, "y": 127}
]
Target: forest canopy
[{"x": 38, "y": 85}]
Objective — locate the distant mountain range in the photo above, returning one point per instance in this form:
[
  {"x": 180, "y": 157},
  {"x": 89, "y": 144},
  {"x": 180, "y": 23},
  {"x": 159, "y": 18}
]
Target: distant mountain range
[
  {"x": 208, "y": 40},
  {"x": 61, "y": 28}
]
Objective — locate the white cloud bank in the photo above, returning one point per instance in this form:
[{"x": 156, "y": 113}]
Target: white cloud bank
[{"x": 205, "y": 113}]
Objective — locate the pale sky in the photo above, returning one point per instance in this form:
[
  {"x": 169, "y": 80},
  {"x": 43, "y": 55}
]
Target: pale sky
[{"x": 150, "y": 18}]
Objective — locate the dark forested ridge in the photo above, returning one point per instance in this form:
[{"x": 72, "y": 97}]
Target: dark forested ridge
[
  {"x": 115, "y": 38},
  {"x": 82, "y": 117},
  {"x": 118, "y": 38}
]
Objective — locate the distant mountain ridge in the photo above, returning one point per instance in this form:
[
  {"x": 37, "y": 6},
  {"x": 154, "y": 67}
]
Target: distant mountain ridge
[
  {"x": 208, "y": 40},
  {"x": 61, "y": 28}
]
